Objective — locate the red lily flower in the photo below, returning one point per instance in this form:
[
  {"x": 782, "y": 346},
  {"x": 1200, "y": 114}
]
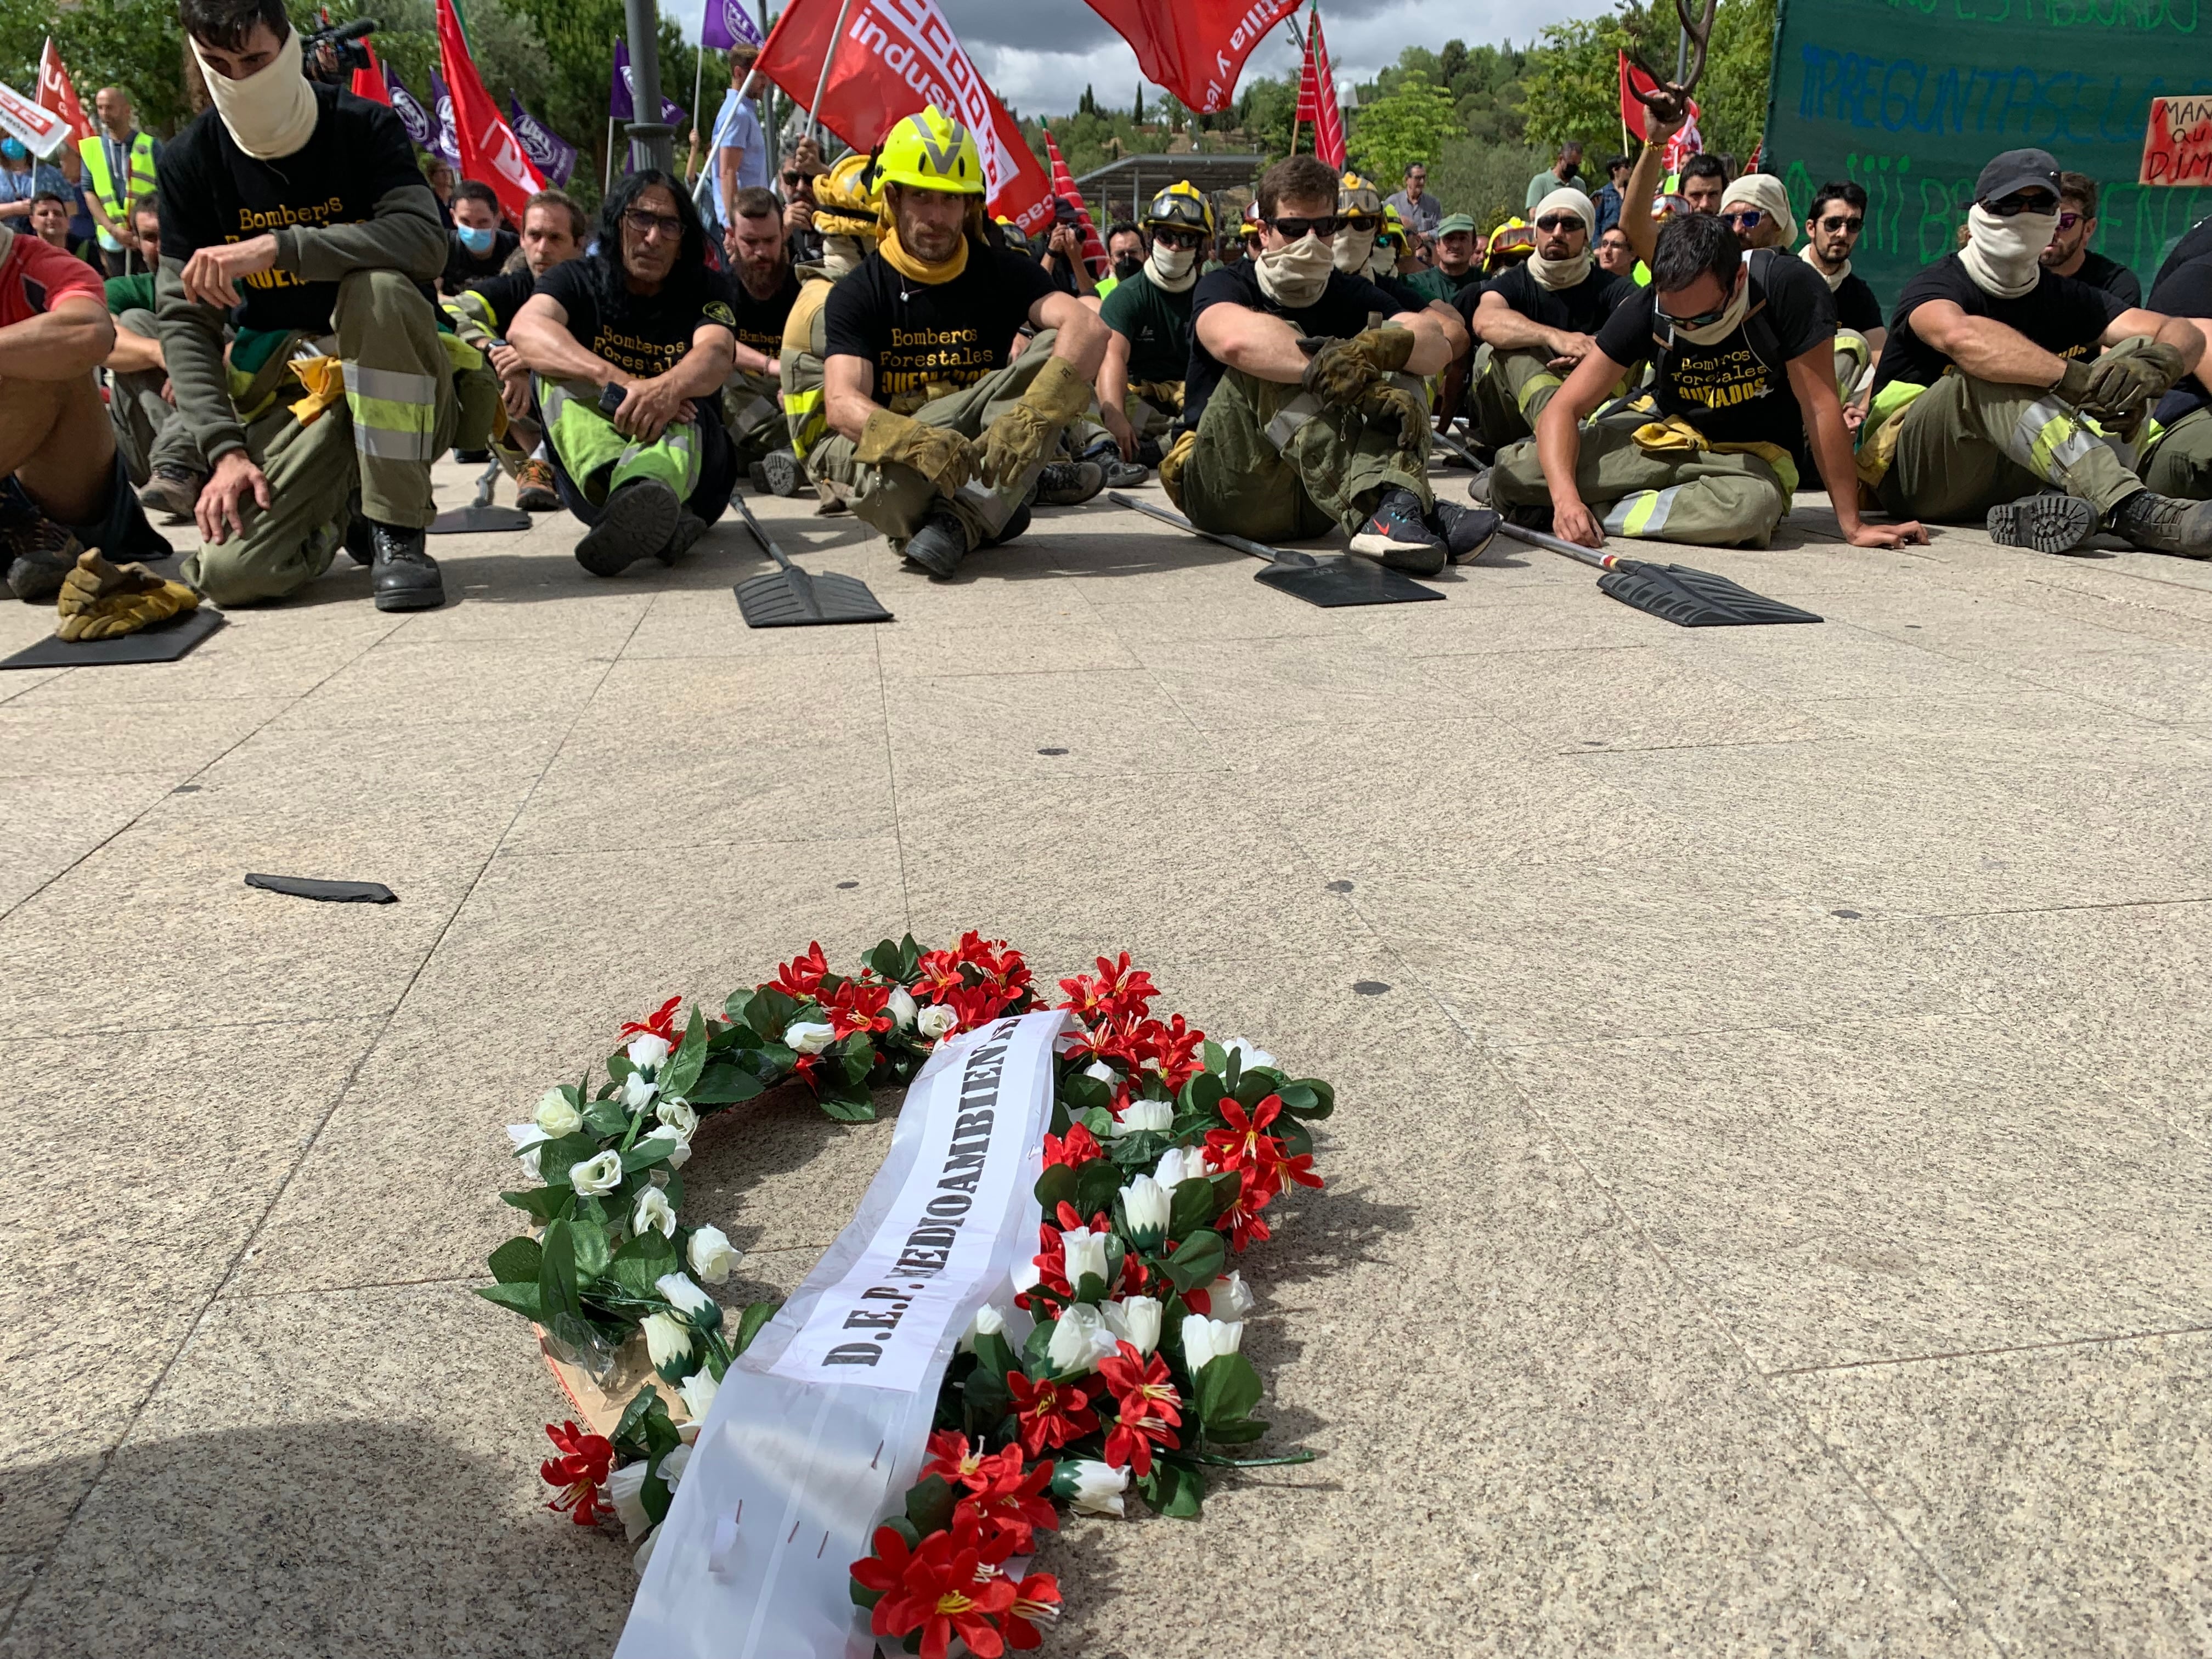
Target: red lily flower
[
  {"x": 1175, "y": 1049},
  {"x": 1050, "y": 1413},
  {"x": 950, "y": 1455},
  {"x": 802, "y": 975},
  {"x": 882, "y": 1571},
  {"x": 858, "y": 1005},
  {"x": 1245, "y": 1143},
  {"x": 1148, "y": 1408},
  {"x": 937, "y": 1594},
  {"x": 661, "y": 1023},
  {"x": 1013, "y": 1504},
  {"x": 580, "y": 1472},
  {"x": 1112, "y": 992},
  {"x": 1078, "y": 1150},
  {"x": 1036, "y": 1600},
  {"x": 1242, "y": 1217}
]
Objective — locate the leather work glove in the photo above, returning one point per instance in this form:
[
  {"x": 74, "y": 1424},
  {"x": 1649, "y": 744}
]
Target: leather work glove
[
  {"x": 2121, "y": 382},
  {"x": 937, "y": 453},
  {"x": 1389, "y": 401},
  {"x": 103, "y": 601},
  {"x": 1347, "y": 371},
  {"x": 1019, "y": 438}
]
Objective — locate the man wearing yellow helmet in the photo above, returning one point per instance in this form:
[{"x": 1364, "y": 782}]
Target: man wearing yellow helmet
[
  {"x": 845, "y": 209},
  {"x": 1299, "y": 416},
  {"x": 940, "y": 435},
  {"x": 1148, "y": 319},
  {"x": 763, "y": 287}
]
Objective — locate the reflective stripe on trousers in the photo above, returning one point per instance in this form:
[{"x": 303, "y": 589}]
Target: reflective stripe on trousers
[
  {"x": 395, "y": 413},
  {"x": 1644, "y": 513},
  {"x": 2047, "y": 439}
]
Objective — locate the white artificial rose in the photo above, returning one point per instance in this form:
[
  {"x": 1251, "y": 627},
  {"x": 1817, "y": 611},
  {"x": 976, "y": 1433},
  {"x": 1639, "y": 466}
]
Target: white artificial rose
[
  {"x": 678, "y": 1459},
  {"x": 935, "y": 1021},
  {"x": 1085, "y": 1253},
  {"x": 1145, "y": 1203},
  {"x": 1249, "y": 1054},
  {"x": 1231, "y": 1298},
  {"x": 1180, "y": 1163},
  {"x": 1136, "y": 1321},
  {"x": 596, "y": 1176},
  {"x": 679, "y": 1149},
  {"x": 697, "y": 1393},
  {"x": 529, "y": 1142},
  {"x": 1205, "y": 1338},
  {"x": 1104, "y": 1073},
  {"x": 1138, "y": 1115},
  {"x": 638, "y": 1090},
  {"x": 808, "y": 1036},
  {"x": 625, "y": 1490},
  {"x": 682, "y": 1295},
  {"x": 902, "y": 1008},
  {"x": 666, "y": 1340},
  {"x": 712, "y": 1254},
  {"x": 1080, "y": 1338},
  {"x": 556, "y": 1116},
  {"x": 988, "y": 1322},
  {"x": 654, "y": 1213},
  {"x": 647, "y": 1051},
  {"x": 1098, "y": 1486},
  {"x": 679, "y": 1115}
]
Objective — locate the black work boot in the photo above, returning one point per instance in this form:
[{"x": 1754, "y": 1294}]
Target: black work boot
[
  {"x": 1070, "y": 483},
  {"x": 401, "y": 574},
  {"x": 1120, "y": 474},
  {"x": 2164, "y": 524},
  {"x": 638, "y": 522},
  {"x": 2047, "y": 523},
  {"x": 777, "y": 473},
  {"x": 939, "y": 545}
]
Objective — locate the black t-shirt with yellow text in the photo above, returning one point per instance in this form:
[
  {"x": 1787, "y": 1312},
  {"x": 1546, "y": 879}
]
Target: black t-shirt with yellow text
[
  {"x": 760, "y": 322},
  {"x": 917, "y": 334},
  {"x": 645, "y": 334},
  {"x": 2063, "y": 315},
  {"x": 214, "y": 192}
]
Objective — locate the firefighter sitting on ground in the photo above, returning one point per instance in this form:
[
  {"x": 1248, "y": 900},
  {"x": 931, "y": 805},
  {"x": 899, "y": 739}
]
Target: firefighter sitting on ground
[
  {"x": 1140, "y": 382},
  {"x": 846, "y": 209}
]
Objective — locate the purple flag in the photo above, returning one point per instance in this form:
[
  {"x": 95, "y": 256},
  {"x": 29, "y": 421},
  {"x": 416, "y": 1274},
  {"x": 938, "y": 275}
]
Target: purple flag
[
  {"x": 619, "y": 104},
  {"x": 422, "y": 125},
  {"x": 726, "y": 24},
  {"x": 549, "y": 152},
  {"x": 447, "y": 148}
]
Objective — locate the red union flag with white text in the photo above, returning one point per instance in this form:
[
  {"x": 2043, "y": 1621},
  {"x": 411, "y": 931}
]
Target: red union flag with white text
[
  {"x": 57, "y": 93},
  {"x": 1195, "y": 48},
  {"x": 895, "y": 59},
  {"x": 490, "y": 152}
]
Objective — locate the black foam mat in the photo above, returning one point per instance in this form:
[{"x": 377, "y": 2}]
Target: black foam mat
[{"x": 163, "y": 642}]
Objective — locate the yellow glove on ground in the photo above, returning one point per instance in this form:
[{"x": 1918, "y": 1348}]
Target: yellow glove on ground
[
  {"x": 937, "y": 453},
  {"x": 1347, "y": 371},
  {"x": 103, "y": 601},
  {"x": 1017, "y": 439}
]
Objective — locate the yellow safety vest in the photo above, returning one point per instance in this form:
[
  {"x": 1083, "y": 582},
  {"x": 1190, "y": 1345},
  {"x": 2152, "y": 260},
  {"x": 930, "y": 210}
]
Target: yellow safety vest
[{"x": 95, "y": 152}]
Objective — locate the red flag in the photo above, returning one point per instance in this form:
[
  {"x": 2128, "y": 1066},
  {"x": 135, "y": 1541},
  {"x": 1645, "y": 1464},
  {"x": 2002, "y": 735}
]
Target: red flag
[
  {"x": 1063, "y": 183},
  {"x": 894, "y": 57},
  {"x": 1317, "y": 96},
  {"x": 491, "y": 153},
  {"x": 370, "y": 82},
  {"x": 1195, "y": 48},
  {"x": 55, "y": 92},
  {"x": 1631, "y": 107}
]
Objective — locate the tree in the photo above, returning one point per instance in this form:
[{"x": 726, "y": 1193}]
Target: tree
[{"x": 1412, "y": 122}]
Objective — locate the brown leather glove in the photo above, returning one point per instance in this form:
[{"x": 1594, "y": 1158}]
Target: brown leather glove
[
  {"x": 2121, "y": 383},
  {"x": 1389, "y": 402},
  {"x": 1019, "y": 438},
  {"x": 103, "y": 601},
  {"x": 941, "y": 455},
  {"x": 1347, "y": 371}
]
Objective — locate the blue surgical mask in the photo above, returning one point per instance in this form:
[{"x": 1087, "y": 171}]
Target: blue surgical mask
[
  {"x": 478, "y": 242},
  {"x": 13, "y": 148}
]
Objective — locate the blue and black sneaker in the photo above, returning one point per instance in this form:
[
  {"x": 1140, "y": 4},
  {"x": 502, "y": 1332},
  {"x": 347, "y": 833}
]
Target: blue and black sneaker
[{"x": 1398, "y": 534}]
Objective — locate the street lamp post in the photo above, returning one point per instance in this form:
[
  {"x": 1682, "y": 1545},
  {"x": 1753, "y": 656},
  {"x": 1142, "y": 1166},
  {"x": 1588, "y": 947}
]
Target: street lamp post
[{"x": 652, "y": 140}]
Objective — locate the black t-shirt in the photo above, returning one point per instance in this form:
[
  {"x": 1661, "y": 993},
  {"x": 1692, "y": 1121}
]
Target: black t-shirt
[
  {"x": 1738, "y": 391},
  {"x": 1582, "y": 309},
  {"x": 1340, "y": 312},
  {"x": 953, "y": 333},
  {"x": 505, "y": 295},
  {"x": 760, "y": 322},
  {"x": 214, "y": 192},
  {"x": 2062, "y": 314},
  {"x": 645, "y": 334},
  {"x": 2115, "y": 278},
  {"x": 1856, "y": 308},
  {"x": 463, "y": 267},
  {"x": 1408, "y": 297},
  {"x": 2185, "y": 290},
  {"x": 2195, "y": 244}
]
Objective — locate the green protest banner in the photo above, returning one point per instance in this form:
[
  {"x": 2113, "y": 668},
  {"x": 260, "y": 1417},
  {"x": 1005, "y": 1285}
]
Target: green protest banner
[{"x": 1909, "y": 97}]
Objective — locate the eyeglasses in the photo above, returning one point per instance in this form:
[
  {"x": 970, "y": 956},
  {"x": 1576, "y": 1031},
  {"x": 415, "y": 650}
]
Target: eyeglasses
[
  {"x": 1703, "y": 320},
  {"x": 643, "y": 224},
  {"x": 1743, "y": 218},
  {"x": 2023, "y": 201},
  {"x": 1291, "y": 230},
  {"x": 1178, "y": 238},
  {"x": 1836, "y": 221},
  {"x": 2068, "y": 221},
  {"x": 1560, "y": 221}
]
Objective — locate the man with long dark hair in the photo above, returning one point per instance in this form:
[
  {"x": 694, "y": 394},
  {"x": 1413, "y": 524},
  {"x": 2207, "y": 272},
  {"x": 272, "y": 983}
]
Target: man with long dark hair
[{"x": 629, "y": 347}]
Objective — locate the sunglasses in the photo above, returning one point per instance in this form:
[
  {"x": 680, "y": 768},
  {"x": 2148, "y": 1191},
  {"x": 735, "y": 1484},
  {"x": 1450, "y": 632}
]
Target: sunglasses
[
  {"x": 2024, "y": 201},
  {"x": 1743, "y": 218},
  {"x": 666, "y": 225},
  {"x": 1291, "y": 230},
  {"x": 1558, "y": 221},
  {"x": 2068, "y": 221},
  {"x": 1703, "y": 320},
  {"x": 1836, "y": 222},
  {"x": 1179, "y": 239}
]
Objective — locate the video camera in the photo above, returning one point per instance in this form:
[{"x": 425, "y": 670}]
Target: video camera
[{"x": 334, "y": 52}]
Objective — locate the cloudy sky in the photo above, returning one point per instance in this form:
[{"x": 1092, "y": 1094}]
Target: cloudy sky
[{"x": 1040, "y": 54}]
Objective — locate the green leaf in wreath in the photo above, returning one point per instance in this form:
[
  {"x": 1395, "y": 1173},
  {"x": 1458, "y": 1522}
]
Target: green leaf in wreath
[
  {"x": 629, "y": 1435},
  {"x": 1204, "y": 1093},
  {"x": 929, "y": 1505},
  {"x": 1083, "y": 1093},
  {"x": 679, "y": 1073},
  {"x": 1213, "y": 1055},
  {"x": 993, "y": 1354},
  {"x": 1054, "y": 1187},
  {"x": 607, "y": 1119},
  {"x": 590, "y": 1241},
  {"x": 521, "y": 1299},
  {"x": 1228, "y": 1388},
  {"x": 725, "y": 1082},
  {"x": 884, "y": 959},
  {"x": 1242, "y": 1432},
  {"x": 757, "y": 1314},
  {"x": 987, "y": 1398},
  {"x": 1252, "y": 1088},
  {"x": 556, "y": 1272},
  {"x": 1174, "y": 1490},
  {"x": 847, "y": 1102},
  {"x": 640, "y": 1262},
  {"x": 1095, "y": 1183},
  {"x": 543, "y": 1204},
  {"x": 1197, "y": 1261},
  {"x": 1192, "y": 1208},
  {"x": 515, "y": 1262}
]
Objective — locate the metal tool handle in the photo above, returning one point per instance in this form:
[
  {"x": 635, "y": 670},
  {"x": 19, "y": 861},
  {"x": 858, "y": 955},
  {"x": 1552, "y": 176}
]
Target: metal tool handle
[
  {"x": 485, "y": 484},
  {"x": 1257, "y": 549},
  {"x": 1575, "y": 550},
  {"x": 759, "y": 534},
  {"x": 1458, "y": 449}
]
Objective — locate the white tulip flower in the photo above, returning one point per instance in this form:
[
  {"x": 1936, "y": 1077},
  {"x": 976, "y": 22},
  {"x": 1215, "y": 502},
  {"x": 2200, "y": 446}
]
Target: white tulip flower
[
  {"x": 596, "y": 1176},
  {"x": 556, "y": 1116},
  {"x": 936, "y": 1021},
  {"x": 666, "y": 1340},
  {"x": 1104, "y": 1073},
  {"x": 808, "y": 1036},
  {"x": 902, "y": 1008},
  {"x": 1231, "y": 1298},
  {"x": 679, "y": 1149},
  {"x": 1098, "y": 1486},
  {"x": 1085, "y": 1253},
  {"x": 653, "y": 1213},
  {"x": 1080, "y": 1338},
  {"x": 1146, "y": 1203},
  {"x": 638, "y": 1090},
  {"x": 682, "y": 1295},
  {"x": 988, "y": 1322},
  {"x": 697, "y": 1393},
  {"x": 1180, "y": 1163},
  {"x": 1249, "y": 1054},
  {"x": 712, "y": 1254},
  {"x": 1135, "y": 1320},
  {"x": 625, "y": 1490},
  {"x": 529, "y": 1142},
  {"x": 647, "y": 1052},
  {"x": 1205, "y": 1338},
  {"x": 1138, "y": 1115}
]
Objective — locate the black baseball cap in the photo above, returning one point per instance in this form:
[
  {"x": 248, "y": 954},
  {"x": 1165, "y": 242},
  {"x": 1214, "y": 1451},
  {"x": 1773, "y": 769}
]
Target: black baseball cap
[{"x": 2018, "y": 170}]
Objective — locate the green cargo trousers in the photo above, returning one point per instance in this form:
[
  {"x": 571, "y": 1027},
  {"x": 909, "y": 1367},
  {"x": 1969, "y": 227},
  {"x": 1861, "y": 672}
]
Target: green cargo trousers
[
  {"x": 1965, "y": 446},
  {"x": 752, "y": 416},
  {"x": 147, "y": 429},
  {"x": 1274, "y": 463},
  {"x": 1704, "y": 497},
  {"x": 894, "y": 499},
  {"x": 1507, "y": 391},
  {"x": 600, "y": 459},
  {"x": 399, "y": 412},
  {"x": 2181, "y": 464}
]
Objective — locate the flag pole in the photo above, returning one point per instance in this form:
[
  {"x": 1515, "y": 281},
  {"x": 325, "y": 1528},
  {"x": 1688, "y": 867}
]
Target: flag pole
[{"x": 830, "y": 56}]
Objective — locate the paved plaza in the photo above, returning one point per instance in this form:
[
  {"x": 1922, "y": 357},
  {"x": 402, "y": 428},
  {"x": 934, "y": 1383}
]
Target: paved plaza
[{"x": 1766, "y": 1207}]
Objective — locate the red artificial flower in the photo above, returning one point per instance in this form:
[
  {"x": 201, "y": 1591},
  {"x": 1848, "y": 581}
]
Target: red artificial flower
[
  {"x": 1036, "y": 1600},
  {"x": 581, "y": 1470},
  {"x": 1174, "y": 1050},
  {"x": 951, "y": 1456},
  {"x": 1012, "y": 1507},
  {"x": 1112, "y": 992},
  {"x": 661, "y": 1023},
  {"x": 1242, "y": 1217},
  {"x": 858, "y": 1005},
  {"x": 1245, "y": 1144},
  {"x": 1051, "y": 1258},
  {"x": 802, "y": 975},
  {"x": 1148, "y": 1407},
  {"x": 1078, "y": 1150},
  {"x": 937, "y": 1591},
  {"x": 1050, "y": 1413}
]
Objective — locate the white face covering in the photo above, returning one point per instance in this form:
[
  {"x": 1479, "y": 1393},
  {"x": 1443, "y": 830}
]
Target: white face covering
[
  {"x": 1834, "y": 278},
  {"x": 1383, "y": 262},
  {"x": 2003, "y": 256},
  {"x": 1173, "y": 269},
  {"x": 1355, "y": 250},
  {"x": 1730, "y": 320},
  {"x": 272, "y": 113},
  {"x": 1294, "y": 274},
  {"x": 1556, "y": 274}
]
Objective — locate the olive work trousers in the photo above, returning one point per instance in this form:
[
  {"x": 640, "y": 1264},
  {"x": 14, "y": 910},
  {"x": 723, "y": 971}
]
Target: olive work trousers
[{"x": 1274, "y": 463}]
